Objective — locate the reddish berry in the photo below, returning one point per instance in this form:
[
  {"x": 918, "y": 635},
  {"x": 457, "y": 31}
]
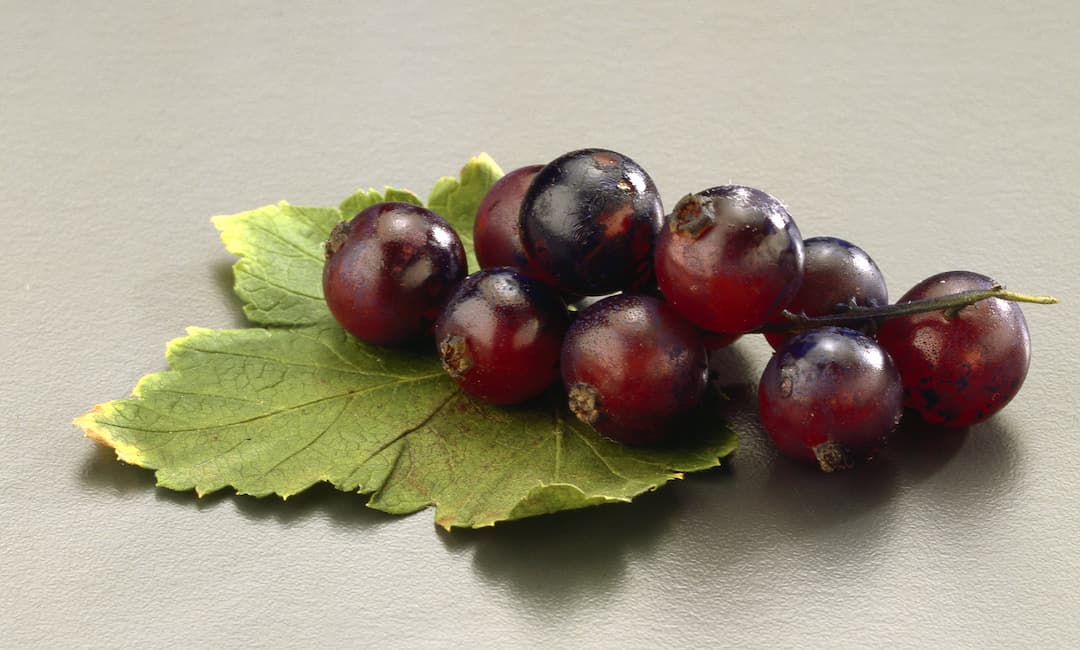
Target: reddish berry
[
  {"x": 631, "y": 365},
  {"x": 496, "y": 231},
  {"x": 959, "y": 368},
  {"x": 500, "y": 335},
  {"x": 729, "y": 258},
  {"x": 389, "y": 271}
]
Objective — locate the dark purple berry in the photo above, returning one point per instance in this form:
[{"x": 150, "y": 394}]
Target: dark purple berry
[
  {"x": 830, "y": 396},
  {"x": 500, "y": 335},
  {"x": 588, "y": 221},
  {"x": 389, "y": 271},
  {"x": 631, "y": 366},
  {"x": 837, "y": 276}
]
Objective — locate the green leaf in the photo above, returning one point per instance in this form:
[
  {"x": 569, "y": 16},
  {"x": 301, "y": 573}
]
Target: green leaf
[
  {"x": 362, "y": 199},
  {"x": 279, "y": 275},
  {"x": 274, "y": 410},
  {"x": 457, "y": 199}
]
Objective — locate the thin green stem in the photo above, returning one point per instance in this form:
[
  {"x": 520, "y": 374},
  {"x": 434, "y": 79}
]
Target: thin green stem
[{"x": 951, "y": 303}]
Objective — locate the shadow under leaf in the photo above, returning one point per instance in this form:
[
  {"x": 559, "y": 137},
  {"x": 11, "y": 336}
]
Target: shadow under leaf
[
  {"x": 224, "y": 279},
  {"x": 103, "y": 471},
  {"x": 347, "y": 509},
  {"x": 558, "y": 560}
]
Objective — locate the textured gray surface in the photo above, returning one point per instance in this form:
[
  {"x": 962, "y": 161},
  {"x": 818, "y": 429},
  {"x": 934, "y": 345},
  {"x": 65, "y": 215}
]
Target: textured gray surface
[{"x": 935, "y": 137}]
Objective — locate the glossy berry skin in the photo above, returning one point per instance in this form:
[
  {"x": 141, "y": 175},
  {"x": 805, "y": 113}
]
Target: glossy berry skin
[
  {"x": 631, "y": 365},
  {"x": 962, "y": 369},
  {"x": 836, "y": 275},
  {"x": 496, "y": 231},
  {"x": 830, "y": 396},
  {"x": 500, "y": 335},
  {"x": 389, "y": 271},
  {"x": 589, "y": 219},
  {"x": 729, "y": 258}
]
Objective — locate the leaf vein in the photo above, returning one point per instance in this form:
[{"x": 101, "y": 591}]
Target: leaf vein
[
  {"x": 311, "y": 442},
  {"x": 247, "y": 270},
  {"x": 273, "y": 413},
  {"x": 254, "y": 225},
  {"x": 427, "y": 419},
  {"x": 315, "y": 366},
  {"x": 220, "y": 455},
  {"x": 602, "y": 458},
  {"x": 339, "y": 355}
]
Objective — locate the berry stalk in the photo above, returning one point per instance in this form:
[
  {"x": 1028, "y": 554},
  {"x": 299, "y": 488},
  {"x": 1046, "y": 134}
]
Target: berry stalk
[{"x": 951, "y": 303}]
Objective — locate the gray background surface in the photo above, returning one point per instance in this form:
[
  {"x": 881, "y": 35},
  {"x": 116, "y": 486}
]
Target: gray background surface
[{"x": 936, "y": 137}]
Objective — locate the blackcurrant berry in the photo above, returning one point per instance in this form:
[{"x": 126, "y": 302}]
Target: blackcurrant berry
[
  {"x": 389, "y": 271},
  {"x": 959, "y": 368},
  {"x": 496, "y": 231},
  {"x": 729, "y": 258},
  {"x": 830, "y": 396},
  {"x": 837, "y": 275},
  {"x": 588, "y": 220},
  {"x": 631, "y": 365},
  {"x": 500, "y": 335}
]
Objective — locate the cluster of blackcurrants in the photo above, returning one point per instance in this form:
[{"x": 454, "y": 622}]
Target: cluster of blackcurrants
[{"x": 727, "y": 261}]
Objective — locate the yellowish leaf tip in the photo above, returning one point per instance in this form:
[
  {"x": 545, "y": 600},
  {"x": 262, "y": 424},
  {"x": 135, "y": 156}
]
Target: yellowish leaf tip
[{"x": 87, "y": 423}]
